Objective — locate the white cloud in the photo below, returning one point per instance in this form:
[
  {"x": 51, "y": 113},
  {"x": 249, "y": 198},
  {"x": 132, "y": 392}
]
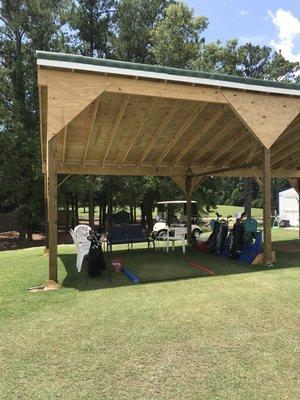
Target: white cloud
[
  {"x": 289, "y": 31},
  {"x": 244, "y": 13}
]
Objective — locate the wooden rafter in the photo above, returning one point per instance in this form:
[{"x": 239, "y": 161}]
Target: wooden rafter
[
  {"x": 235, "y": 151},
  {"x": 293, "y": 163},
  {"x": 64, "y": 143},
  {"x": 92, "y": 126},
  {"x": 283, "y": 144},
  {"x": 131, "y": 144},
  {"x": 181, "y": 131},
  {"x": 209, "y": 124},
  {"x": 257, "y": 178},
  {"x": 228, "y": 169},
  {"x": 116, "y": 125},
  {"x": 214, "y": 140},
  {"x": 284, "y": 154},
  {"x": 159, "y": 131},
  {"x": 221, "y": 150}
]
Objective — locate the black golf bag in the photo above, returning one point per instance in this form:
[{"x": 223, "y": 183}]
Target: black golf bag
[
  {"x": 236, "y": 243},
  {"x": 96, "y": 262}
]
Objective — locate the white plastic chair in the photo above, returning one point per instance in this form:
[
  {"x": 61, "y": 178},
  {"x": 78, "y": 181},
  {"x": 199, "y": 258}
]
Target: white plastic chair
[
  {"x": 179, "y": 234},
  {"x": 82, "y": 232},
  {"x": 161, "y": 239},
  {"x": 82, "y": 249}
]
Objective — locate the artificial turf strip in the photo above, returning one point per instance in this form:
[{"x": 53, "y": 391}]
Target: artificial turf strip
[{"x": 230, "y": 336}]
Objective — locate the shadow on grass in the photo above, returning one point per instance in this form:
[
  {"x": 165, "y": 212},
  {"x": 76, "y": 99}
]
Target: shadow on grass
[{"x": 158, "y": 266}]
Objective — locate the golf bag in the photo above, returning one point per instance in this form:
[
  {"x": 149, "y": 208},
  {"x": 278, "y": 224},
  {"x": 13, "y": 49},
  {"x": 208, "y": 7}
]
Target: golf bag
[
  {"x": 212, "y": 240},
  {"x": 221, "y": 237},
  {"x": 236, "y": 243},
  {"x": 96, "y": 262}
]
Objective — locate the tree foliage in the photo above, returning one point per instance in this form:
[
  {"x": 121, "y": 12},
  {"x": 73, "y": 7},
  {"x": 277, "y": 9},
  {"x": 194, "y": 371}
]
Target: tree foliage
[{"x": 162, "y": 32}]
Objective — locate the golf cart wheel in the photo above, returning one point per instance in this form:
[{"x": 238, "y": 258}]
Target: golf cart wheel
[{"x": 196, "y": 233}]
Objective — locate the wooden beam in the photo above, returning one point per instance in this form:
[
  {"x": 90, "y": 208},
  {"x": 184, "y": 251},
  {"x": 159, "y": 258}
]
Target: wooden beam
[
  {"x": 69, "y": 93},
  {"x": 188, "y": 185},
  {"x": 221, "y": 170},
  {"x": 166, "y": 90},
  {"x": 257, "y": 178},
  {"x": 162, "y": 127},
  {"x": 52, "y": 206},
  {"x": 293, "y": 163},
  {"x": 92, "y": 126},
  {"x": 63, "y": 180},
  {"x": 116, "y": 125},
  {"x": 266, "y": 116},
  {"x": 214, "y": 140},
  {"x": 285, "y": 154},
  {"x": 196, "y": 181},
  {"x": 162, "y": 170},
  {"x": 180, "y": 182},
  {"x": 131, "y": 144},
  {"x": 235, "y": 151},
  {"x": 65, "y": 132},
  {"x": 227, "y": 146},
  {"x": 266, "y": 174},
  {"x": 181, "y": 131},
  {"x": 119, "y": 169},
  {"x": 285, "y": 143},
  {"x": 209, "y": 124},
  {"x": 46, "y": 250}
]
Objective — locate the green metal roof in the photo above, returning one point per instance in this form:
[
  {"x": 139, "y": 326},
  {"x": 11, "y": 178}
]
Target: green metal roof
[{"x": 71, "y": 58}]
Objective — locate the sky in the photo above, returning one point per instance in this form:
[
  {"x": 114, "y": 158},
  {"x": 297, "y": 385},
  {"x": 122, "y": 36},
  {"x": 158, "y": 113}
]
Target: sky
[{"x": 271, "y": 22}]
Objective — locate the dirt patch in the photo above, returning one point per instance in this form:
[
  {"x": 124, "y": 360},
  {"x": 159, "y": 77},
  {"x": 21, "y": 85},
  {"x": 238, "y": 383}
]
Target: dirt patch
[
  {"x": 287, "y": 247},
  {"x": 11, "y": 240}
]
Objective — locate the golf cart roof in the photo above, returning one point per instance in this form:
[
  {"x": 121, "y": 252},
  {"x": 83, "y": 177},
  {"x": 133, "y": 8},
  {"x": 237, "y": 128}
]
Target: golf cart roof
[{"x": 174, "y": 202}]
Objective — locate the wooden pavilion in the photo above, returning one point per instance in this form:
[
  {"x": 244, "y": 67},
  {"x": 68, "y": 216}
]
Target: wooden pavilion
[{"x": 106, "y": 117}]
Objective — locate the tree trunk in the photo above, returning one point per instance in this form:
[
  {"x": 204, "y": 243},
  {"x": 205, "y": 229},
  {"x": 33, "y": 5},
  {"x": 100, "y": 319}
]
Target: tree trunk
[
  {"x": 109, "y": 203},
  {"x": 148, "y": 214},
  {"x": 142, "y": 207},
  {"x": 91, "y": 208},
  {"x": 73, "y": 211},
  {"x": 67, "y": 214},
  {"x": 76, "y": 208},
  {"x": 131, "y": 214},
  {"x": 134, "y": 213},
  {"x": 248, "y": 196}
]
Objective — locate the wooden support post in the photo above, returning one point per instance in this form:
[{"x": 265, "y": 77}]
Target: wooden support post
[
  {"x": 46, "y": 249},
  {"x": 266, "y": 174},
  {"x": 188, "y": 186},
  {"x": 52, "y": 206}
]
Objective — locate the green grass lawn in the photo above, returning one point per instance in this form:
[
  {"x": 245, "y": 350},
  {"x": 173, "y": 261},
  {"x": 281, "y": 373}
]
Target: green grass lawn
[
  {"x": 257, "y": 213},
  {"x": 230, "y": 336}
]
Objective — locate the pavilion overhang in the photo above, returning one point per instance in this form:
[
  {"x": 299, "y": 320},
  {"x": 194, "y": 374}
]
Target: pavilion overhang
[{"x": 105, "y": 117}]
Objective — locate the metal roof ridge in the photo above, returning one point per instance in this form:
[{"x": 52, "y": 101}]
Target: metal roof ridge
[{"x": 117, "y": 64}]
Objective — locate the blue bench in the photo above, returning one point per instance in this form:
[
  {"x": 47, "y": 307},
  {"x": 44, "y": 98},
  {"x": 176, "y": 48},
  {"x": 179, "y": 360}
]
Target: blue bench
[{"x": 126, "y": 234}]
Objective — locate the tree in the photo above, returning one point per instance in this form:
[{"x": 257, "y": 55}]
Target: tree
[
  {"x": 135, "y": 20},
  {"x": 92, "y": 22},
  {"x": 26, "y": 26},
  {"x": 176, "y": 39}
]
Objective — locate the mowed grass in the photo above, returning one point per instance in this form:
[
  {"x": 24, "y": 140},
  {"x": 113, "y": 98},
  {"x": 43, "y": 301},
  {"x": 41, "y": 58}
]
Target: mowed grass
[
  {"x": 231, "y": 336},
  {"x": 257, "y": 213}
]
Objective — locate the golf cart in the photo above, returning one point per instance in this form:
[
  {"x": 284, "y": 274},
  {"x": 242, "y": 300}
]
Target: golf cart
[{"x": 167, "y": 218}]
